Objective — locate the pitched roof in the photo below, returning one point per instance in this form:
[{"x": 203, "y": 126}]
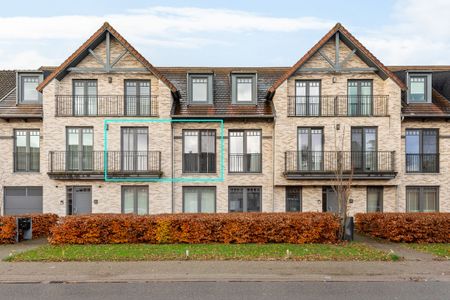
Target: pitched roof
[
  {"x": 8, "y": 107},
  {"x": 222, "y": 99},
  {"x": 92, "y": 40},
  {"x": 337, "y": 28}
]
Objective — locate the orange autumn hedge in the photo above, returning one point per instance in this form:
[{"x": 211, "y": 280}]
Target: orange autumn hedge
[
  {"x": 406, "y": 227},
  {"x": 42, "y": 223},
  {"x": 293, "y": 228}
]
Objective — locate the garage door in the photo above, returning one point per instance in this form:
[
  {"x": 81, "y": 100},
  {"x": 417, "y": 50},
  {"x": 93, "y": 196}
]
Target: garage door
[{"x": 23, "y": 200}]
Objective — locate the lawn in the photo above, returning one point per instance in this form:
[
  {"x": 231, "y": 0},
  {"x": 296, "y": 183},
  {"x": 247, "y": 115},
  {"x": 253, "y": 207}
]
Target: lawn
[
  {"x": 441, "y": 250},
  {"x": 140, "y": 252}
]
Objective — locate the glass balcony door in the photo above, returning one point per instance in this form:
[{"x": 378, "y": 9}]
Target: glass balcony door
[
  {"x": 85, "y": 97},
  {"x": 80, "y": 146},
  {"x": 360, "y": 99},
  {"x": 310, "y": 149},
  {"x": 364, "y": 149},
  {"x": 137, "y": 98},
  {"x": 134, "y": 148},
  {"x": 307, "y": 97}
]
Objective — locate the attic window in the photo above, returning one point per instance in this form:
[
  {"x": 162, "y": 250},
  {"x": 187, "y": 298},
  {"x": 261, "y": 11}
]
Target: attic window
[
  {"x": 27, "y": 93},
  {"x": 244, "y": 88},
  {"x": 200, "y": 88},
  {"x": 419, "y": 88}
]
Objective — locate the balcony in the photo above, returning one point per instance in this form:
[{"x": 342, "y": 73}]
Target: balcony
[
  {"x": 326, "y": 164},
  {"x": 106, "y": 106},
  {"x": 422, "y": 163},
  {"x": 245, "y": 163},
  {"x": 91, "y": 164},
  {"x": 199, "y": 162},
  {"x": 338, "y": 106}
]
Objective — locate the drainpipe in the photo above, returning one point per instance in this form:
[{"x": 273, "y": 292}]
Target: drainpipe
[{"x": 172, "y": 166}]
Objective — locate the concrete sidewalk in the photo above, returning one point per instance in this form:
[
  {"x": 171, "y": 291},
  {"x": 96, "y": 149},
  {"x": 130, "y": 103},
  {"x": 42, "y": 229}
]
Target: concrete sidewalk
[{"x": 224, "y": 271}]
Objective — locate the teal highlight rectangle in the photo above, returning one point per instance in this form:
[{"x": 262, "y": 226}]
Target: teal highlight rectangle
[{"x": 171, "y": 179}]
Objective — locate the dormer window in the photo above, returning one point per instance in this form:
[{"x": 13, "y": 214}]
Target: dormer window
[
  {"x": 419, "y": 88},
  {"x": 27, "y": 93},
  {"x": 200, "y": 88},
  {"x": 244, "y": 88}
]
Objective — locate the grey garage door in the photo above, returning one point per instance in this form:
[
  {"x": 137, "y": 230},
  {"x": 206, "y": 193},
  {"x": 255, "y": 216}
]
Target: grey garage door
[{"x": 23, "y": 200}]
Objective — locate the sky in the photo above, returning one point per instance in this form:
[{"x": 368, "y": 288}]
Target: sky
[{"x": 224, "y": 33}]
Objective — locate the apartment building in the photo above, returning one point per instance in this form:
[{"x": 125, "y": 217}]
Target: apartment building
[{"x": 108, "y": 132}]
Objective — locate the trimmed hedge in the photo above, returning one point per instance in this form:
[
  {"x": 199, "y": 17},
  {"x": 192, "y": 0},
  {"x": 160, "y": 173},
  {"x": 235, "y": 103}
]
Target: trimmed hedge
[
  {"x": 406, "y": 227},
  {"x": 42, "y": 223},
  {"x": 296, "y": 228}
]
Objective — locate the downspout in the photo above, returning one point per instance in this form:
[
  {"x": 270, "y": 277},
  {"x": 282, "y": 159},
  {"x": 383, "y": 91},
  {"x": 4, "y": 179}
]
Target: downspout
[{"x": 172, "y": 166}]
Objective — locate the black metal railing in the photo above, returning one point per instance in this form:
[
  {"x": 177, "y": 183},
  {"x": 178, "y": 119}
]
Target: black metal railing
[
  {"x": 199, "y": 162},
  {"x": 340, "y": 105},
  {"x": 331, "y": 161},
  {"x": 26, "y": 161},
  {"x": 245, "y": 163},
  {"x": 422, "y": 163},
  {"x": 106, "y": 106},
  {"x": 93, "y": 162}
]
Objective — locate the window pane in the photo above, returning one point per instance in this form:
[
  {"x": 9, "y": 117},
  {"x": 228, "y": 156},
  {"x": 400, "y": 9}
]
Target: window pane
[
  {"x": 29, "y": 84},
  {"x": 244, "y": 89},
  {"x": 236, "y": 200},
  {"x": 236, "y": 151},
  {"x": 128, "y": 200},
  {"x": 430, "y": 196},
  {"x": 412, "y": 199},
  {"x": 412, "y": 141},
  {"x": 374, "y": 199},
  {"x": 190, "y": 200},
  {"x": 191, "y": 142},
  {"x": 208, "y": 200},
  {"x": 417, "y": 88},
  {"x": 200, "y": 89},
  {"x": 253, "y": 199},
  {"x": 293, "y": 199},
  {"x": 429, "y": 141},
  {"x": 142, "y": 200}
]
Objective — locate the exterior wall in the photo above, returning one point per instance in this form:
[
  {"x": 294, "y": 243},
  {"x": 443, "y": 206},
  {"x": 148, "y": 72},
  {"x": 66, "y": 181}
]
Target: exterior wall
[
  {"x": 441, "y": 179},
  {"x": 7, "y": 175},
  {"x": 263, "y": 179}
]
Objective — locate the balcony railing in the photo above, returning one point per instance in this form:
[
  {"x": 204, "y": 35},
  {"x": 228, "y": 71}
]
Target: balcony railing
[
  {"x": 92, "y": 163},
  {"x": 199, "y": 163},
  {"x": 26, "y": 161},
  {"x": 245, "y": 163},
  {"x": 422, "y": 163},
  {"x": 325, "y": 164},
  {"x": 338, "y": 106},
  {"x": 106, "y": 106}
]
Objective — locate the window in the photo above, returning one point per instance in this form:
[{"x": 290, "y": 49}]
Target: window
[
  {"x": 80, "y": 148},
  {"x": 422, "y": 199},
  {"x": 293, "y": 198},
  {"x": 244, "y": 199},
  {"x": 364, "y": 149},
  {"x": 310, "y": 149},
  {"x": 137, "y": 98},
  {"x": 422, "y": 153},
  {"x": 245, "y": 151},
  {"x": 134, "y": 149},
  {"x": 200, "y": 89},
  {"x": 307, "y": 97},
  {"x": 27, "y": 91},
  {"x": 375, "y": 199},
  {"x": 360, "y": 99},
  {"x": 26, "y": 150},
  {"x": 244, "y": 88},
  {"x": 419, "y": 87},
  {"x": 199, "y": 199},
  {"x": 85, "y": 97},
  {"x": 135, "y": 200},
  {"x": 199, "y": 151}
]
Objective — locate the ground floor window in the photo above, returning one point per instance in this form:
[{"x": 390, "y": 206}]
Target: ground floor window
[
  {"x": 135, "y": 200},
  {"x": 375, "y": 199},
  {"x": 293, "y": 198},
  {"x": 244, "y": 199},
  {"x": 199, "y": 199},
  {"x": 422, "y": 198}
]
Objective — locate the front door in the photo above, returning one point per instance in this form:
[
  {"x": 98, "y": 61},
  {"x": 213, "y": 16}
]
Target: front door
[
  {"x": 79, "y": 200},
  {"x": 330, "y": 200},
  {"x": 134, "y": 148}
]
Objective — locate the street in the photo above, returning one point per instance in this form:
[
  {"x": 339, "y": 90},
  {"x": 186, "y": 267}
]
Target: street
[{"x": 229, "y": 290}]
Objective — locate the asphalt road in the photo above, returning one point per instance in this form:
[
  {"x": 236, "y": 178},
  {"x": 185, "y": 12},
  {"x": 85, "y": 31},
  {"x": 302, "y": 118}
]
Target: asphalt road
[{"x": 229, "y": 290}]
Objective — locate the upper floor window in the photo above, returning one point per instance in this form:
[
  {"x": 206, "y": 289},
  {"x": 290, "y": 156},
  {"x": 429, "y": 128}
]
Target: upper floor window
[
  {"x": 360, "y": 99},
  {"x": 137, "y": 98},
  {"x": 307, "y": 97},
  {"x": 245, "y": 151},
  {"x": 85, "y": 97},
  {"x": 199, "y": 151},
  {"x": 244, "y": 88},
  {"x": 419, "y": 87},
  {"x": 26, "y": 152},
  {"x": 27, "y": 88},
  {"x": 422, "y": 150},
  {"x": 200, "y": 89}
]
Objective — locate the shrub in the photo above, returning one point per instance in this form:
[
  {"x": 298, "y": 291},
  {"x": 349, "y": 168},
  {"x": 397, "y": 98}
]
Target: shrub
[
  {"x": 406, "y": 227},
  {"x": 293, "y": 228},
  {"x": 7, "y": 230}
]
